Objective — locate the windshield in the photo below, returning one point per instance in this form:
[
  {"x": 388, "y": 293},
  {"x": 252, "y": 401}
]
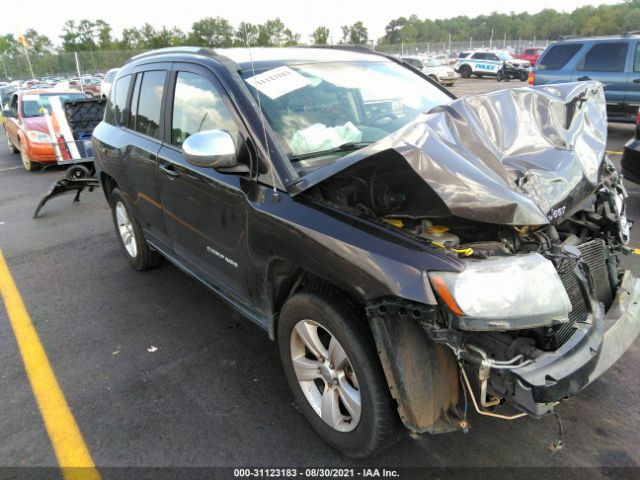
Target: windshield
[
  {"x": 504, "y": 56},
  {"x": 36, "y": 105},
  {"x": 432, "y": 62},
  {"x": 316, "y": 108}
]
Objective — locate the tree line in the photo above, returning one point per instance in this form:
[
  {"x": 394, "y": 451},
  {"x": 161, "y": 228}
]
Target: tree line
[
  {"x": 548, "y": 24},
  {"x": 87, "y": 35}
]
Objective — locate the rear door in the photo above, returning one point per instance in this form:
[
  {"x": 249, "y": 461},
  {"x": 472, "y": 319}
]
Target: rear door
[
  {"x": 606, "y": 61},
  {"x": 556, "y": 64},
  {"x": 632, "y": 100},
  {"x": 205, "y": 210},
  {"x": 12, "y": 125}
]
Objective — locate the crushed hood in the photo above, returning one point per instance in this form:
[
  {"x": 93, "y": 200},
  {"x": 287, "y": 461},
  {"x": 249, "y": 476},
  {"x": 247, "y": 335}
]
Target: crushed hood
[{"x": 524, "y": 156}]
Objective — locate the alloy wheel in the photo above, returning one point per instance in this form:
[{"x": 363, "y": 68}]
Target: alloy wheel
[
  {"x": 326, "y": 375},
  {"x": 26, "y": 160},
  {"x": 125, "y": 228}
]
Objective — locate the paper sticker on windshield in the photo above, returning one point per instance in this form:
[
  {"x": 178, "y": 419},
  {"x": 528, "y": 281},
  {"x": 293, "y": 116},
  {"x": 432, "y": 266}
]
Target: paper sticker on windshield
[{"x": 278, "y": 81}]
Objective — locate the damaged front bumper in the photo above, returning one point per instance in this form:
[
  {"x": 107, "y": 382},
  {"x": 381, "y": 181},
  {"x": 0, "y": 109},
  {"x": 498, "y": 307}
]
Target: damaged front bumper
[{"x": 554, "y": 376}]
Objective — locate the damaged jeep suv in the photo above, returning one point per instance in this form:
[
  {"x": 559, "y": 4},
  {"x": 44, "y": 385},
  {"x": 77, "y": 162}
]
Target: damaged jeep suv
[{"x": 414, "y": 255}]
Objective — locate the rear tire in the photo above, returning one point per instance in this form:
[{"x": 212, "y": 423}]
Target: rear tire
[
  {"x": 465, "y": 71},
  {"x": 10, "y": 144},
  {"x": 136, "y": 250},
  {"x": 524, "y": 76},
  {"x": 434, "y": 78},
  {"x": 499, "y": 76},
  {"x": 324, "y": 316}
]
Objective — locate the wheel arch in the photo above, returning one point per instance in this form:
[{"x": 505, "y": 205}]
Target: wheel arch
[
  {"x": 285, "y": 278},
  {"x": 108, "y": 184}
]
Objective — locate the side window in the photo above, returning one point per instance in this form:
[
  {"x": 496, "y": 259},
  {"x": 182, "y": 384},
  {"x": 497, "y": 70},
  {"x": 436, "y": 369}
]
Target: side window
[
  {"x": 146, "y": 103},
  {"x": 605, "y": 57},
  {"x": 636, "y": 61},
  {"x": 116, "y": 110},
  {"x": 492, "y": 56},
  {"x": 197, "y": 106},
  {"x": 478, "y": 56},
  {"x": 528, "y": 51},
  {"x": 558, "y": 56},
  {"x": 134, "y": 101},
  {"x": 14, "y": 103}
]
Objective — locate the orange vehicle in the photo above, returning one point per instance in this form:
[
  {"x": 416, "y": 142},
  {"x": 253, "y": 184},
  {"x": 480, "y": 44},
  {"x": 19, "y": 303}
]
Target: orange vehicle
[{"x": 26, "y": 128}]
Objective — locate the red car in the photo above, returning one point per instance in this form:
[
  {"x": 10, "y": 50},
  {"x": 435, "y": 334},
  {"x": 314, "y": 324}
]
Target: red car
[
  {"x": 531, "y": 54},
  {"x": 26, "y": 128}
]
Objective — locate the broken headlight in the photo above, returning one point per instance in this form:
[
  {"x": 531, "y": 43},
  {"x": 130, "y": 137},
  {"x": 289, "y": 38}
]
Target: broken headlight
[{"x": 504, "y": 293}]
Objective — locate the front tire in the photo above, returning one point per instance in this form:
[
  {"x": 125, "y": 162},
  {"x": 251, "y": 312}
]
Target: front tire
[
  {"x": 334, "y": 372},
  {"x": 465, "y": 71},
  {"x": 138, "y": 253},
  {"x": 28, "y": 164}
]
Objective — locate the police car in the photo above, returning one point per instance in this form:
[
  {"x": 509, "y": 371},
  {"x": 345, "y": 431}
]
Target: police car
[{"x": 481, "y": 63}]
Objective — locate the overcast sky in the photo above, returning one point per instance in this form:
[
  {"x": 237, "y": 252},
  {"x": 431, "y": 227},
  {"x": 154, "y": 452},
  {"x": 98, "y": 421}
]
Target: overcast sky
[{"x": 302, "y": 17}]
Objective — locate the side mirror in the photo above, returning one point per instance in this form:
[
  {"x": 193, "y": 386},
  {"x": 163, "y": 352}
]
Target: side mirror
[
  {"x": 210, "y": 148},
  {"x": 8, "y": 114}
]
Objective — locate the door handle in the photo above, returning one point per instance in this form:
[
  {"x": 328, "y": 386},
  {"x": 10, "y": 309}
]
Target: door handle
[
  {"x": 169, "y": 170},
  {"x": 583, "y": 79},
  {"x": 636, "y": 80}
]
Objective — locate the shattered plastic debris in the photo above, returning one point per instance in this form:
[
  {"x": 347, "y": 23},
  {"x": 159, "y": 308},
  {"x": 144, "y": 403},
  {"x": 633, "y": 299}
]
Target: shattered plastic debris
[{"x": 152, "y": 349}]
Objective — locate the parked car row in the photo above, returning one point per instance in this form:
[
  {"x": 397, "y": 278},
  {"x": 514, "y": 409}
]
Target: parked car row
[{"x": 96, "y": 85}]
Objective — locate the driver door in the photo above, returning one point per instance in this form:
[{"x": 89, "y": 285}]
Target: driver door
[{"x": 205, "y": 211}]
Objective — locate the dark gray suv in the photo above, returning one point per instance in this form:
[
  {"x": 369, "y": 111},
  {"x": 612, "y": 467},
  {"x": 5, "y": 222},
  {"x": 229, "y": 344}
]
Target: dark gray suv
[{"x": 414, "y": 256}]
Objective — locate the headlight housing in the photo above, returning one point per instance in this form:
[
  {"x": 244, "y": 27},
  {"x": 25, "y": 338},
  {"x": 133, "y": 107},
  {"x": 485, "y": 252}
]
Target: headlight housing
[
  {"x": 504, "y": 293},
  {"x": 38, "y": 137}
]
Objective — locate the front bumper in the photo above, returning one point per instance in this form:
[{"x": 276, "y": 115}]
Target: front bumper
[
  {"x": 594, "y": 348},
  {"x": 40, "y": 152}
]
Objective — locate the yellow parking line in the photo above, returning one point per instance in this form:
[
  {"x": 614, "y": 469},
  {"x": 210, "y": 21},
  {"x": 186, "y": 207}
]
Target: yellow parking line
[
  {"x": 71, "y": 452},
  {"x": 613, "y": 153}
]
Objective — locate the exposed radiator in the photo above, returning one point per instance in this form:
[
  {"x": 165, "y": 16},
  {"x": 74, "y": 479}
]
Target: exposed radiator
[{"x": 594, "y": 255}]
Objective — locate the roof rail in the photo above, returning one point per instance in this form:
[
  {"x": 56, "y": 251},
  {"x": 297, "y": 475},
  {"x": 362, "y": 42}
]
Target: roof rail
[
  {"x": 196, "y": 50},
  {"x": 631, "y": 32},
  {"x": 568, "y": 37},
  {"x": 350, "y": 48}
]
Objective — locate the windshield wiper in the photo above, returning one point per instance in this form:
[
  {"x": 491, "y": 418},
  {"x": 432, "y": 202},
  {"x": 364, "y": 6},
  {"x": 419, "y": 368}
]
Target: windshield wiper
[{"x": 345, "y": 147}]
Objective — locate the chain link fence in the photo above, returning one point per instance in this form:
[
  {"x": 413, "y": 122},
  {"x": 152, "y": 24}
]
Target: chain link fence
[
  {"x": 513, "y": 45},
  {"x": 17, "y": 66}
]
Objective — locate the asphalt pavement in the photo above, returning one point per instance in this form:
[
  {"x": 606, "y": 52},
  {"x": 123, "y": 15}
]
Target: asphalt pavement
[{"x": 158, "y": 372}]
